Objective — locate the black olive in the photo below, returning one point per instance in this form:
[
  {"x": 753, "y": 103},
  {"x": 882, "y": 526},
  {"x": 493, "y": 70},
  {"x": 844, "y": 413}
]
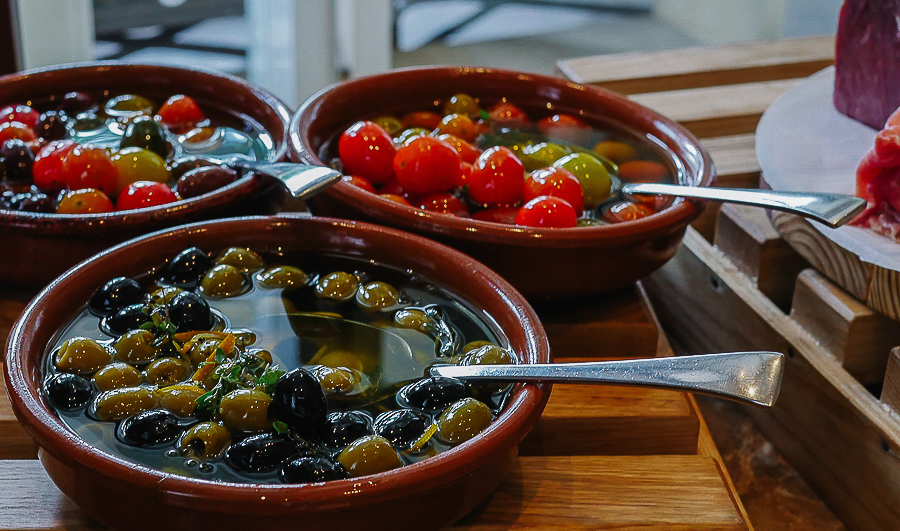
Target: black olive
[
  {"x": 261, "y": 453},
  {"x": 128, "y": 318},
  {"x": 432, "y": 395},
  {"x": 75, "y": 103},
  {"x": 68, "y": 392},
  {"x": 188, "y": 311},
  {"x": 52, "y": 126},
  {"x": 17, "y": 159},
  {"x": 36, "y": 202},
  {"x": 300, "y": 402},
  {"x": 115, "y": 295},
  {"x": 150, "y": 428},
  {"x": 186, "y": 269},
  {"x": 185, "y": 164},
  {"x": 344, "y": 427},
  {"x": 312, "y": 470},
  {"x": 145, "y": 132},
  {"x": 403, "y": 427},
  {"x": 205, "y": 179}
]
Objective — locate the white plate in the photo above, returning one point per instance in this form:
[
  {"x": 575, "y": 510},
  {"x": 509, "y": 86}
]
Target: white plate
[{"x": 803, "y": 143}]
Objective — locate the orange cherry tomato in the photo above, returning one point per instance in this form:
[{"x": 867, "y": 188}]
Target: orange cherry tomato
[
  {"x": 458, "y": 125},
  {"x": 618, "y": 152},
  {"x": 626, "y": 211},
  {"x": 467, "y": 151},
  {"x": 424, "y": 119},
  {"x": 642, "y": 171},
  {"x": 180, "y": 113},
  {"x": 86, "y": 201},
  {"x": 565, "y": 127},
  {"x": 359, "y": 182},
  {"x": 89, "y": 166},
  {"x": 507, "y": 113},
  {"x": 16, "y": 130}
]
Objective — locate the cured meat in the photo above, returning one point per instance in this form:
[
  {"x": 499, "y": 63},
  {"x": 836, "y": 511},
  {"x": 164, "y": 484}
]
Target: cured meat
[
  {"x": 878, "y": 182},
  {"x": 867, "y": 60}
]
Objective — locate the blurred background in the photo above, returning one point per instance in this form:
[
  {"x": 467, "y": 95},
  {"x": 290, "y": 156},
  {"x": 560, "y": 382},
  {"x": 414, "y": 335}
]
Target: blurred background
[{"x": 296, "y": 47}]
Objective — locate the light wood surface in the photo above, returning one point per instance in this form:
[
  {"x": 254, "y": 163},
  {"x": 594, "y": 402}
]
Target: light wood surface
[{"x": 890, "y": 393}]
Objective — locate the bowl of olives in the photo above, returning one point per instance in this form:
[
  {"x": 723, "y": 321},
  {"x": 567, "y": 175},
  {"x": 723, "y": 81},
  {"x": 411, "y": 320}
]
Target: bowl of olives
[
  {"x": 94, "y": 154},
  {"x": 521, "y": 171},
  {"x": 259, "y": 372}
]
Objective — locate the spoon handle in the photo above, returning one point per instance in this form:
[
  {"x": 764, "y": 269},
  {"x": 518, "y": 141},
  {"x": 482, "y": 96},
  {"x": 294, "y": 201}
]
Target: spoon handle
[
  {"x": 750, "y": 377},
  {"x": 832, "y": 209},
  {"x": 301, "y": 180}
]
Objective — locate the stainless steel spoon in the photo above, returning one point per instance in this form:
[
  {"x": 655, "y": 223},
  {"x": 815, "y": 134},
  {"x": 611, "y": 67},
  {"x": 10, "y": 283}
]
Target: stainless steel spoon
[
  {"x": 832, "y": 209},
  {"x": 749, "y": 377},
  {"x": 301, "y": 180}
]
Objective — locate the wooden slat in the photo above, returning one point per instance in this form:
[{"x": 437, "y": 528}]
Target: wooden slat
[
  {"x": 637, "y": 72},
  {"x": 717, "y": 111},
  {"x": 890, "y": 393}
]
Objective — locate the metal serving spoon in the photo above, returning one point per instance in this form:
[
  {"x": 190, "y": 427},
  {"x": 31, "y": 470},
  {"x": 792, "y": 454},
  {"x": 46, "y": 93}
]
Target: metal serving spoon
[
  {"x": 831, "y": 209},
  {"x": 749, "y": 377},
  {"x": 301, "y": 180}
]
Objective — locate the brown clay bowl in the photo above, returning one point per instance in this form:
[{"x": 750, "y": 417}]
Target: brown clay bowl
[
  {"x": 45, "y": 245},
  {"x": 426, "y": 495},
  {"x": 541, "y": 263}
]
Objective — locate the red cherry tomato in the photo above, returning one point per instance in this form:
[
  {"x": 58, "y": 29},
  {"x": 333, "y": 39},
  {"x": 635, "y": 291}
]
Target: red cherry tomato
[
  {"x": 497, "y": 215},
  {"x": 395, "y": 198},
  {"x": 887, "y": 146},
  {"x": 467, "y": 151},
  {"x": 444, "y": 203},
  {"x": 507, "y": 113},
  {"x": 20, "y": 113},
  {"x": 180, "y": 113},
  {"x": 90, "y": 167},
  {"x": 47, "y": 171},
  {"x": 565, "y": 127},
  {"x": 393, "y": 187},
  {"x": 556, "y": 182},
  {"x": 86, "y": 201},
  {"x": 424, "y": 119},
  {"x": 465, "y": 173},
  {"x": 458, "y": 125},
  {"x": 498, "y": 177},
  {"x": 427, "y": 165},
  {"x": 546, "y": 211},
  {"x": 368, "y": 151},
  {"x": 626, "y": 211},
  {"x": 142, "y": 194},
  {"x": 359, "y": 182},
  {"x": 16, "y": 130}
]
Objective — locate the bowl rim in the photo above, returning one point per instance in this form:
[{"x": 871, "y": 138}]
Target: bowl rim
[
  {"x": 55, "y": 437},
  {"x": 680, "y": 212},
  {"x": 51, "y": 223}
]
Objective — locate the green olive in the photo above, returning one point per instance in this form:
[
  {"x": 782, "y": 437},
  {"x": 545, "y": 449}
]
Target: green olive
[
  {"x": 165, "y": 295},
  {"x": 369, "y": 455},
  {"x": 591, "y": 173},
  {"x": 180, "y": 399},
  {"x": 390, "y": 124},
  {"x": 542, "y": 155},
  {"x": 136, "y": 346},
  {"x": 487, "y": 355},
  {"x": 341, "y": 358},
  {"x": 200, "y": 351},
  {"x": 338, "y": 285},
  {"x": 245, "y": 410},
  {"x": 284, "y": 277},
  {"x": 414, "y": 319},
  {"x": 462, "y": 103},
  {"x": 463, "y": 420},
  {"x": 376, "y": 296},
  {"x": 242, "y": 258},
  {"x": 117, "y": 375},
  {"x": 118, "y": 404},
  {"x": 222, "y": 280},
  {"x": 336, "y": 380},
  {"x": 81, "y": 355},
  {"x": 128, "y": 105},
  {"x": 168, "y": 371},
  {"x": 206, "y": 440},
  {"x": 264, "y": 355}
]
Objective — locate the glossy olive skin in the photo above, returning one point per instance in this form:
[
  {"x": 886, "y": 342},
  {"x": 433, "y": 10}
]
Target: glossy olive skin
[
  {"x": 125, "y": 402},
  {"x": 432, "y": 395},
  {"x": 376, "y": 296},
  {"x": 69, "y": 392},
  {"x": 188, "y": 311},
  {"x": 117, "y": 375},
  {"x": 241, "y": 258},
  {"x": 284, "y": 277},
  {"x": 222, "y": 280},
  {"x": 344, "y": 427},
  {"x": 149, "y": 428},
  {"x": 245, "y": 410},
  {"x": 463, "y": 420},
  {"x": 299, "y": 402},
  {"x": 261, "y": 453},
  {"x": 81, "y": 355},
  {"x": 339, "y": 285},
  {"x": 206, "y": 440},
  {"x": 402, "y": 427},
  {"x": 146, "y": 133},
  {"x": 369, "y": 455},
  {"x": 52, "y": 126},
  {"x": 311, "y": 470},
  {"x": 186, "y": 269},
  {"x": 128, "y": 318},
  {"x": 135, "y": 346},
  {"x": 204, "y": 179},
  {"x": 115, "y": 295},
  {"x": 180, "y": 399},
  {"x": 168, "y": 371},
  {"x": 17, "y": 159}
]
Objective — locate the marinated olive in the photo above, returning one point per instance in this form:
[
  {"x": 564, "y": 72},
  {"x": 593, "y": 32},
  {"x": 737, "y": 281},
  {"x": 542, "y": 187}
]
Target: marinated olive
[
  {"x": 165, "y": 294},
  {"x": 414, "y": 319},
  {"x": 592, "y": 174},
  {"x": 206, "y": 440},
  {"x": 137, "y": 164},
  {"x": 369, "y": 455},
  {"x": 462, "y": 104},
  {"x": 149, "y": 428},
  {"x": 52, "y": 126},
  {"x": 168, "y": 371},
  {"x": 69, "y": 392},
  {"x": 201, "y": 350},
  {"x": 117, "y": 375},
  {"x": 245, "y": 410},
  {"x": 262, "y": 453},
  {"x": 241, "y": 258},
  {"x": 204, "y": 179},
  {"x": 185, "y": 164},
  {"x": 222, "y": 280},
  {"x": 186, "y": 269},
  {"x": 432, "y": 395},
  {"x": 180, "y": 399},
  {"x": 344, "y": 427},
  {"x": 189, "y": 312},
  {"x": 541, "y": 155},
  {"x": 17, "y": 159},
  {"x": 81, "y": 355},
  {"x": 312, "y": 470},
  {"x": 284, "y": 277},
  {"x": 463, "y": 420},
  {"x": 335, "y": 379},
  {"x": 404, "y": 428},
  {"x": 338, "y": 285},
  {"x": 128, "y": 106},
  {"x": 299, "y": 402},
  {"x": 341, "y": 358},
  {"x": 136, "y": 346},
  {"x": 74, "y": 103},
  {"x": 128, "y": 318},
  {"x": 115, "y": 295},
  {"x": 376, "y": 296},
  {"x": 33, "y": 202},
  {"x": 118, "y": 404},
  {"x": 487, "y": 355},
  {"x": 146, "y": 133}
]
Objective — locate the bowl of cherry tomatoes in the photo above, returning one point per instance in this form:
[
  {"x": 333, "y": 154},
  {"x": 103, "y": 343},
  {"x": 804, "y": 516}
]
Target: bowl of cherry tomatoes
[
  {"x": 94, "y": 154},
  {"x": 521, "y": 171}
]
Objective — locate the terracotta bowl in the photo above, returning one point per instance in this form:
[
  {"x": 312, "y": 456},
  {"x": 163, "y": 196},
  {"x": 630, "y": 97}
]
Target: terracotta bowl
[
  {"x": 426, "y": 495},
  {"x": 45, "y": 245},
  {"x": 541, "y": 263}
]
